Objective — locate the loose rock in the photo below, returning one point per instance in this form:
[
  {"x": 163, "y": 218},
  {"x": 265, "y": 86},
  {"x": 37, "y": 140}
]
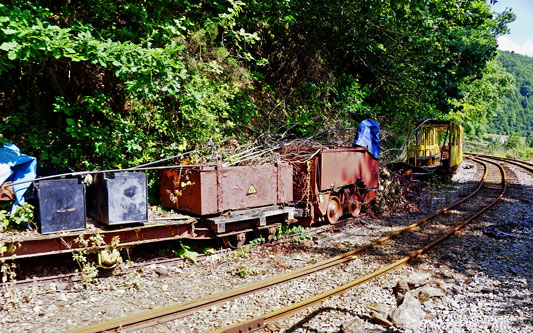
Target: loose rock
[
  {"x": 354, "y": 326},
  {"x": 409, "y": 314}
]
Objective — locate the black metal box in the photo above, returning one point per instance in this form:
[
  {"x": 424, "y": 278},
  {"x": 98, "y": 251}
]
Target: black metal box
[
  {"x": 60, "y": 205},
  {"x": 118, "y": 198}
]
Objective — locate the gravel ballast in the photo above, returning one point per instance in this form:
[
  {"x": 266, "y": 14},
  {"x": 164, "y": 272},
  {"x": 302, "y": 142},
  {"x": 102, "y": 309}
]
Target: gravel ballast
[{"x": 478, "y": 281}]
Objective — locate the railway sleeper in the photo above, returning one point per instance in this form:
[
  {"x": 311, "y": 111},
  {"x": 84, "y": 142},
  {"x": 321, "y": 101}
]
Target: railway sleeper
[{"x": 253, "y": 218}]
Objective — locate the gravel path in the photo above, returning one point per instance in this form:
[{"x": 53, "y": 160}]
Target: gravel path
[{"x": 480, "y": 280}]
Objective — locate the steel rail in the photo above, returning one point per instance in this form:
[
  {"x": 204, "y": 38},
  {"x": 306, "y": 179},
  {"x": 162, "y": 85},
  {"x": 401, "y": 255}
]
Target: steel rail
[
  {"x": 523, "y": 164},
  {"x": 176, "y": 311},
  {"x": 275, "y": 316},
  {"x": 73, "y": 277}
]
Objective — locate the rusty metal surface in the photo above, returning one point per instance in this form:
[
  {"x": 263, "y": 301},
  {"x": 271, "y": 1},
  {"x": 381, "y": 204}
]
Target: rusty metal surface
[
  {"x": 157, "y": 316},
  {"x": 213, "y": 190},
  {"x": 175, "y": 311},
  {"x": 277, "y": 315},
  {"x": 305, "y": 179},
  {"x": 345, "y": 173},
  {"x": 6, "y": 191},
  {"x": 344, "y": 166},
  {"x": 56, "y": 244}
]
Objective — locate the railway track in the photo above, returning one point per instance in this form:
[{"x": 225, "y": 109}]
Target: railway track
[
  {"x": 488, "y": 195},
  {"x": 523, "y": 164},
  {"x": 76, "y": 276}
]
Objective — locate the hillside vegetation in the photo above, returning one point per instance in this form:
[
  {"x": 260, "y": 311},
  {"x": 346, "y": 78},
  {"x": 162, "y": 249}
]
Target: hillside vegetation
[
  {"x": 516, "y": 114},
  {"x": 101, "y": 84}
]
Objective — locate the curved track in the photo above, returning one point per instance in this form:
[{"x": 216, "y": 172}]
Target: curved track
[
  {"x": 275, "y": 316},
  {"x": 523, "y": 164},
  {"x": 172, "y": 312}
]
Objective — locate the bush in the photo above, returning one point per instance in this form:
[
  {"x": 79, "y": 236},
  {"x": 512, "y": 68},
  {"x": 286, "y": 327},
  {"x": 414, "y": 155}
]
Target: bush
[{"x": 513, "y": 141}]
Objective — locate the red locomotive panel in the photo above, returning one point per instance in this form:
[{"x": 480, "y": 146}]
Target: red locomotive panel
[
  {"x": 340, "y": 167},
  {"x": 212, "y": 190},
  {"x": 335, "y": 182}
]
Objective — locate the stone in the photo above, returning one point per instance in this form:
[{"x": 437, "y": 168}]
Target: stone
[
  {"x": 162, "y": 270},
  {"x": 417, "y": 279},
  {"x": 427, "y": 292},
  {"x": 353, "y": 326},
  {"x": 62, "y": 286},
  {"x": 379, "y": 308},
  {"x": 400, "y": 289},
  {"x": 62, "y": 297},
  {"x": 380, "y": 319},
  {"x": 409, "y": 314}
]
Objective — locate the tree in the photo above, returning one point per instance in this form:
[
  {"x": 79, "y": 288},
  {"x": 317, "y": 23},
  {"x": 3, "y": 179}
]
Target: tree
[
  {"x": 481, "y": 99},
  {"x": 116, "y": 83},
  {"x": 517, "y": 107}
]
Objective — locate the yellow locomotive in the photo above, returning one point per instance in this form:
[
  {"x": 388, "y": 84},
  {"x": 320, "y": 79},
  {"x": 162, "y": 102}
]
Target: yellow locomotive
[{"x": 435, "y": 143}]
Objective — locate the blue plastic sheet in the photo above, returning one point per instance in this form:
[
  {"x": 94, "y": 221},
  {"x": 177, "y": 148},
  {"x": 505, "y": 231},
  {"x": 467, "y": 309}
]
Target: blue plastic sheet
[
  {"x": 15, "y": 166},
  {"x": 368, "y": 137}
]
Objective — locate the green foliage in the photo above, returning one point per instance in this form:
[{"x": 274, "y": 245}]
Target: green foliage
[
  {"x": 413, "y": 56},
  {"x": 184, "y": 251},
  {"x": 492, "y": 147},
  {"x": 243, "y": 252},
  {"x": 513, "y": 141},
  {"x": 8, "y": 272},
  {"x": 481, "y": 99},
  {"x": 99, "y": 84},
  {"x": 257, "y": 240},
  {"x": 516, "y": 113},
  {"x": 245, "y": 271},
  {"x": 285, "y": 230},
  {"x": 209, "y": 251},
  {"x": 89, "y": 270},
  {"x": 23, "y": 215},
  {"x": 106, "y": 102}
]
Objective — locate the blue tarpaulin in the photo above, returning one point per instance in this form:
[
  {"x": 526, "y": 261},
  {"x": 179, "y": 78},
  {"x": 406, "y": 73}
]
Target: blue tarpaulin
[
  {"x": 368, "y": 136},
  {"x": 15, "y": 166}
]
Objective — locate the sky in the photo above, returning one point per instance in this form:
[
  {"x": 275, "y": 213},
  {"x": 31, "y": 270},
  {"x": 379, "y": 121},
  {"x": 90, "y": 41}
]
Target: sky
[{"x": 520, "y": 39}]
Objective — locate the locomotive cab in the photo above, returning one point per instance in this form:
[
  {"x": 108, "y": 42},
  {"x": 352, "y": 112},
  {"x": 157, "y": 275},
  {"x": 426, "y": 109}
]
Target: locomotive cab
[{"x": 435, "y": 143}]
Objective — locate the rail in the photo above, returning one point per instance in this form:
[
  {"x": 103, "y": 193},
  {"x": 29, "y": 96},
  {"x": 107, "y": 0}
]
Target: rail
[
  {"x": 176, "y": 311},
  {"x": 275, "y": 316}
]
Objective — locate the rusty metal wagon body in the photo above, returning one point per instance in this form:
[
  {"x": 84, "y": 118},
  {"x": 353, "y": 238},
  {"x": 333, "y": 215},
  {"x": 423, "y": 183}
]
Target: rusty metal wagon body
[
  {"x": 231, "y": 200},
  {"x": 335, "y": 182}
]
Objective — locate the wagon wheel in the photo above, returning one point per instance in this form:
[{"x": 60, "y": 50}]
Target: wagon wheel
[
  {"x": 266, "y": 234},
  {"x": 354, "y": 205},
  {"x": 334, "y": 211},
  {"x": 234, "y": 241},
  {"x": 271, "y": 233}
]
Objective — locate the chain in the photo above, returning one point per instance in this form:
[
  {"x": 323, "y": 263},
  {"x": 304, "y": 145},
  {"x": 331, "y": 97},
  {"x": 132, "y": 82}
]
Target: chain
[{"x": 307, "y": 188}]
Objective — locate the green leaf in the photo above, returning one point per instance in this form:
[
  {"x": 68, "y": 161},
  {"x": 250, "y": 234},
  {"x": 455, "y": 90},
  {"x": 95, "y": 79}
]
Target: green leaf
[
  {"x": 9, "y": 31},
  {"x": 12, "y": 55},
  {"x": 8, "y": 46}
]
